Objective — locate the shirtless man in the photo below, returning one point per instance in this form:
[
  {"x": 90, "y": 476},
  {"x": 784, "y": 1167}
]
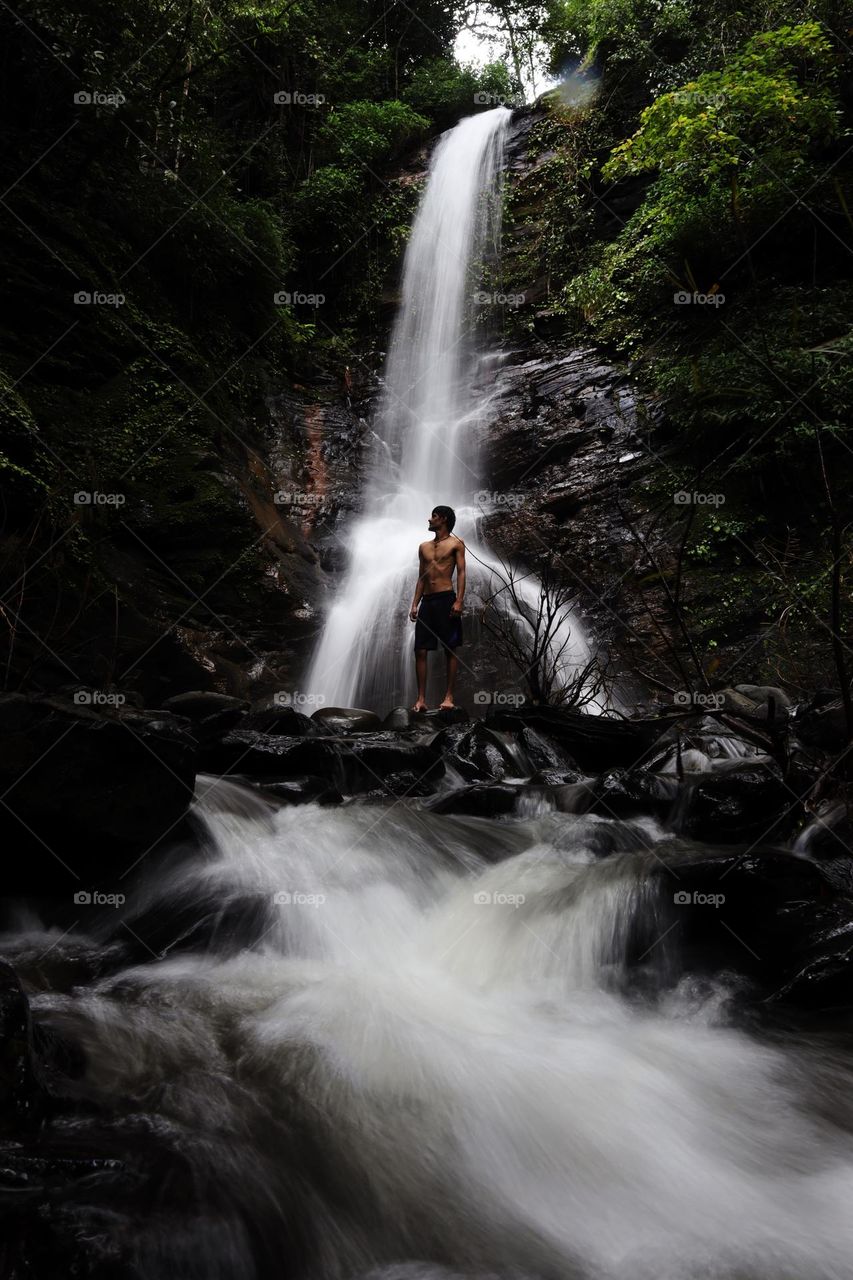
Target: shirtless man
[{"x": 439, "y": 618}]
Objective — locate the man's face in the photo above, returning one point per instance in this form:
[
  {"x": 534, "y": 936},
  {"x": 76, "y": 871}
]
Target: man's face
[{"x": 434, "y": 522}]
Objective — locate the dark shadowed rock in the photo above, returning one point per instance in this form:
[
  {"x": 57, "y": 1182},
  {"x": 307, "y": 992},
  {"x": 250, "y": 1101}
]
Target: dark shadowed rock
[
  {"x": 367, "y": 761},
  {"x": 210, "y": 713},
  {"x": 765, "y": 914},
  {"x": 823, "y": 724},
  {"x": 482, "y": 800},
  {"x": 544, "y": 753},
  {"x": 594, "y": 742},
  {"x": 22, "y": 1097},
  {"x": 738, "y": 802},
  {"x": 280, "y": 719},
  {"x": 402, "y": 718},
  {"x": 264, "y": 754},
  {"x": 87, "y": 791},
  {"x": 623, "y": 791}
]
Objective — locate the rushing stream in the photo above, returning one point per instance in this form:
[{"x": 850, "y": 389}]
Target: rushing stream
[{"x": 396, "y": 1044}]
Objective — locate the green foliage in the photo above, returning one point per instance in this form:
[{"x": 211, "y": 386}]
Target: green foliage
[
  {"x": 367, "y": 133},
  {"x": 775, "y": 101},
  {"x": 445, "y": 91}
]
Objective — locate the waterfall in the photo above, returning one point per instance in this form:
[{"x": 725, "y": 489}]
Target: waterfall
[{"x": 438, "y": 380}]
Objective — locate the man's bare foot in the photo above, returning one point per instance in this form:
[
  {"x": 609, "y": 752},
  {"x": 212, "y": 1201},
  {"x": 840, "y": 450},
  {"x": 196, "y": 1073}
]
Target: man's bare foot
[
  {"x": 447, "y": 705},
  {"x": 420, "y": 705}
]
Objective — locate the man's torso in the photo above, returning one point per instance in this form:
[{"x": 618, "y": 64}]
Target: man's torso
[{"x": 438, "y": 561}]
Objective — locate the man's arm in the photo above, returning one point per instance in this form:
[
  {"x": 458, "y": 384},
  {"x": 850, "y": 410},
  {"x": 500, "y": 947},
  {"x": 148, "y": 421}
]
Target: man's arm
[
  {"x": 460, "y": 578},
  {"x": 419, "y": 587}
]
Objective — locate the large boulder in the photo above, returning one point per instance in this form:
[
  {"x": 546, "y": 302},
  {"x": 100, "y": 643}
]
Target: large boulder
[
  {"x": 247, "y": 751},
  {"x": 368, "y": 761},
  {"x": 210, "y": 713},
  {"x": 738, "y": 801},
  {"x": 621, "y": 792},
  {"x": 87, "y": 792},
  {"x": 765, "y": 914},
  {"x": 346, "y": 720},
  {"x": 279, "y": 718},
  {"x": 544, "y": 754},
  {"x": 475, "y": 751}
]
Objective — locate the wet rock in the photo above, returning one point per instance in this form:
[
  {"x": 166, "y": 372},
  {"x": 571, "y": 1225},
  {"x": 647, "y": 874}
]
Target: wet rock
[
  {"x": 368, "y": 761},
  {"x": 264, "y": 754},
  {"x": 738, "y": 802},
  {"x": 406, "y": 785},
  {"x": 621, "y": 792},
  {"x": 346, "y": 720},
  {"x": 757, "y": 702},
  {"x": 481, "y": 800},
  {"x": 828, "y": 839},
  {"x": 79, "y": 786},
  {"x": 767, "y": 915},
  {"x": 208, "y": 709},
  {"x": 821, "y": 976},
  {"x": 764, "y": 694},
  {"x": 307, "y": 790},
  {"x": 280, "y": 719},
  {"x": 550, "y": 778},
  {"x": 543, "y": 753},
  {"x": 475, "y": 751}
]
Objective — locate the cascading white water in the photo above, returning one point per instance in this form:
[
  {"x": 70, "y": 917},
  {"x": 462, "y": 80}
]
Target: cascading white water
[
  {"x": 413, "y": 1064},
  {"x": 435, "y": 401}
]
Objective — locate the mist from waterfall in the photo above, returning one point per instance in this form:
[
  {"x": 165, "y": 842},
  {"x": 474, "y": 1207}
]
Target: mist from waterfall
[{"x": 438, "y": 383}]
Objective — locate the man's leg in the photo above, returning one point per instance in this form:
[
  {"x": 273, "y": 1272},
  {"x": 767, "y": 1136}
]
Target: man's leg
[
  {"x": 421, "y": 673},
  {"x": 452, "y": 668}
]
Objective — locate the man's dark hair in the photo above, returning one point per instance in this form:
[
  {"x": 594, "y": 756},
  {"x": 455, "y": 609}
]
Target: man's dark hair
[{"x": 449, "y": 515}]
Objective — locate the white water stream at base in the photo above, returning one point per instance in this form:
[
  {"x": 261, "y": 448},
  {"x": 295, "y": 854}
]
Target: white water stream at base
[{"x": 422, "y": 1057}]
